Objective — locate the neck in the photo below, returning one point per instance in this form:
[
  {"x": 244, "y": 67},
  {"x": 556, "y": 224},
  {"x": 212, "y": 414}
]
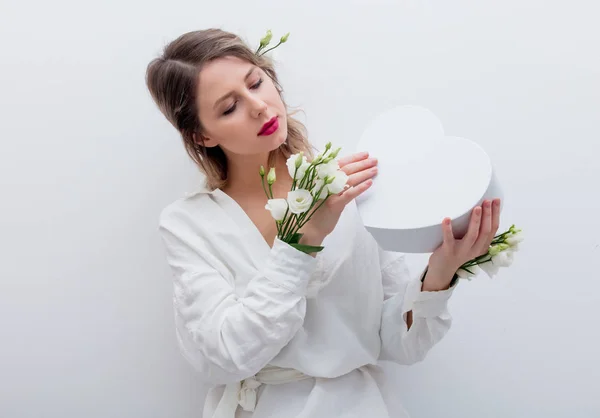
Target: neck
[{"x": 243, "y": 176}]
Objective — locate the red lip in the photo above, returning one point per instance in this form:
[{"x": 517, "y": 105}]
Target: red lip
[{"x": 269, "y": 127}]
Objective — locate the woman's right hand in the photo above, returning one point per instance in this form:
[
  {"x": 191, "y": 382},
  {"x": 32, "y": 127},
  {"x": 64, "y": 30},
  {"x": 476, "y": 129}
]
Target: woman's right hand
[{"x": 360, "y": 170}]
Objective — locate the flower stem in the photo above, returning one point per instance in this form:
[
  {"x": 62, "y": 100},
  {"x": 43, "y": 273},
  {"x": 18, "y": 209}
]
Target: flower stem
[
  {"x": 500, "y": 238},
  {"x": 285, "y": 232},
  {"x": 306, "y": 176},
  {"x": 477, "y": 260},
  {"x": 313, "y": 212},
  {"x": 270, "y": 49},
  {"x": 271, "y": 191},
  {"x": 263, "y": 185}
]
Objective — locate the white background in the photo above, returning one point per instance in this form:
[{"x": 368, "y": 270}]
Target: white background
[{"x": 87, "y": 162}]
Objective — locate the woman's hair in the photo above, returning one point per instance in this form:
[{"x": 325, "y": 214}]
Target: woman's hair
[{"x": 172, "y": 80}]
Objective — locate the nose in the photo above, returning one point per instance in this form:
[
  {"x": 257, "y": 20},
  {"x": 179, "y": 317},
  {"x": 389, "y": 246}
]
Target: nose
[{"x": 257, "y": 106}]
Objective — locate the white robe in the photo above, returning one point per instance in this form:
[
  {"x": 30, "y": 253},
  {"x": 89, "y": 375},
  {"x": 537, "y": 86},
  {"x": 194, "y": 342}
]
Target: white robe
[{"x": 241, "y": 305}]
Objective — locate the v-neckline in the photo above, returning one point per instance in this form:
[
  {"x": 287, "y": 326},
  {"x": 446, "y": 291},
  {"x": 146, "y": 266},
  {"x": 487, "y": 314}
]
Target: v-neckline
[{"x": 242, "y": 219}]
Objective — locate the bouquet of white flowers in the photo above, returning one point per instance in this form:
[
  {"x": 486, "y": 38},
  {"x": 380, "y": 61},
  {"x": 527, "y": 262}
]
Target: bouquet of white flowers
[
  {"x": 313, "y": 183},
  {"x": 500, "y": 254}
]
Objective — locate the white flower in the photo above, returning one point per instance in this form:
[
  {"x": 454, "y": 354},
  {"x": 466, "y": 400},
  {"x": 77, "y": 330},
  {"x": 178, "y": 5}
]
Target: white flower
[
  {"x": 277, "y": 207},
  {"x": 338, "y": 183},
  {"x": 318, "y": 184},
  {"x": 490, "y": 268},
  {"x": 291, "y": 165},
  {"x": 299, "y": 201},
  {"x": 514, "y": 239},
  {"x": 503, "y": 259},
  {"x": 328, "y": 169},
  {"x": 464, "y": 274}
]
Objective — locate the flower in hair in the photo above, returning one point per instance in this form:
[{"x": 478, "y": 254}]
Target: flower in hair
[{"x": 266, "y": 40}]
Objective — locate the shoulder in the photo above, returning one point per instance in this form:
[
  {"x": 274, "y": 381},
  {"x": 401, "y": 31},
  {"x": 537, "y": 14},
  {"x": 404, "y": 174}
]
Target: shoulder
[{"x": 190, "y": 209}]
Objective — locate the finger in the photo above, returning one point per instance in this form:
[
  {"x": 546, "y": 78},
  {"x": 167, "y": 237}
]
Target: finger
[
  {"x": 495, "y": 216},
  {"x": 355, "y": 167},
  {"x": 447, "y": 233},
  {"x": 352, "y": 158},
  {"x": 354, "y": 192},
  {"x": 361, "y": 176},
  {"x": 473, "y": 230},
  {"x": 485, "y": 228},
  {"x": 486, "y": 219}
]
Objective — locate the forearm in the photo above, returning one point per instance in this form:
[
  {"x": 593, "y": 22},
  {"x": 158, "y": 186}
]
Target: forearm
[
  {"x": 312, "y": 238},
  {"x": 413, "y": 322},
  {"x": 432, "y": 282}
]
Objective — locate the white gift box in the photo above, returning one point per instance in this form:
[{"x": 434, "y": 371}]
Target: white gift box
[{"x": 424, "y": 176}]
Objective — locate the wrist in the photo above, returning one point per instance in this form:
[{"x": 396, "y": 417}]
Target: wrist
[
  {"x": 436, "y": 280},
  {"x": 312, "y": 238}
]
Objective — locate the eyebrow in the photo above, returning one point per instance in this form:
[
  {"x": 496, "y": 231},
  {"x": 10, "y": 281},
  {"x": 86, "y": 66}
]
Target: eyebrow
[{"x": 231, "y": 93}]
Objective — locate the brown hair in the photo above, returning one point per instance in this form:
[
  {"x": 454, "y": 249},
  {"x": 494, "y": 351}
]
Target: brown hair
[{"x": 172, "y": 80}]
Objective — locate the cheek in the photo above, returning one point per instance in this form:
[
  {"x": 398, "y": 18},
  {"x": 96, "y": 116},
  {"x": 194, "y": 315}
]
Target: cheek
[
  {"x": 273, "y": 93},
  {"x": 224, "y": 131},
  {"x": 237, "y": 132}
]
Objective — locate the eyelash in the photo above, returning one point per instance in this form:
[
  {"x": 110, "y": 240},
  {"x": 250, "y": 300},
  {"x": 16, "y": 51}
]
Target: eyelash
[{"x": 232, "y": 108}]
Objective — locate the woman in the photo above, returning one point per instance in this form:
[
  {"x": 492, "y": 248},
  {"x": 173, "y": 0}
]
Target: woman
[{"x": 274, "y": 331}]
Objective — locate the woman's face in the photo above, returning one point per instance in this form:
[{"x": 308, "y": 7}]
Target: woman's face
[{"x": 240, "y": 108}]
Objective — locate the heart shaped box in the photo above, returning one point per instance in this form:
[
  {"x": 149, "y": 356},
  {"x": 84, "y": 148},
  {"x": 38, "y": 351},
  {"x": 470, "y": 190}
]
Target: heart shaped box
[{"x": 424, "y": 176}]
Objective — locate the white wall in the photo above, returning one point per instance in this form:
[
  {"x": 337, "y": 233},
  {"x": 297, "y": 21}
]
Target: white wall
[{"x": 87, "y": 163}]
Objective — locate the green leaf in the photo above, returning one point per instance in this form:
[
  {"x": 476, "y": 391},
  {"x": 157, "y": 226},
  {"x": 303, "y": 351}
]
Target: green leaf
[
  {"x": 295, "y": 239},
  {"x": 454, "y": 279},
  {"x": 307, "y": 248}
]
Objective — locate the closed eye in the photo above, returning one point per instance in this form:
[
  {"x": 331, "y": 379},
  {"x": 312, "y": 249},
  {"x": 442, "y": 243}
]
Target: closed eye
[
  {"x": 253, "y": 87},
  {"x": 257, "y": 85}
]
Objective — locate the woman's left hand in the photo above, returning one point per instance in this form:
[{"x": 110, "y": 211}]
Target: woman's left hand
[{"x": 453, "y": 252}]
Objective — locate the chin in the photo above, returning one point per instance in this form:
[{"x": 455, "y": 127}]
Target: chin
[
  {"x": 274, "y": 141},
  {"x": 278, "y": 139}
]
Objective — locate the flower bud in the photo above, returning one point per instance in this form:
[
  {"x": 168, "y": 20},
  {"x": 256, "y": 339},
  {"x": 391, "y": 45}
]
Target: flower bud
[
  {"x": 514, "y": 230},
  {"x": 262, "y": 171},
  {"x": 498, "y": 248},
  {"x": 284, "y": 38},
  {"x": 271, "y": 176},
  {"x": 266, "y": 39},
  {"x": 335, "y": 153},
  {"x": 299, "y": 160}
]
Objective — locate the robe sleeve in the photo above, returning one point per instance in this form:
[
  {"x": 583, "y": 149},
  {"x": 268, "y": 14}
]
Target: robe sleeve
[
  {"x": 430, "y": 317},
  {"x": 227, "y": 337}
]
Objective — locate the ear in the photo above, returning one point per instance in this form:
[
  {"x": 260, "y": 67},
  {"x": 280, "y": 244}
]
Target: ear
[{"x": 204, "y": 140}]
